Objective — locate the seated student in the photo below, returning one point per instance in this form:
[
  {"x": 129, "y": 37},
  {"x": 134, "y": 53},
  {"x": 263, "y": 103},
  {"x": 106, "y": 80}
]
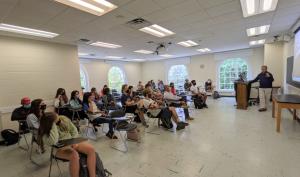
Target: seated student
[
  {"x": 97, "y": 116},
  {"x": 156, "y": 94},
  {"x": 173, "y": 90},
  {"x": 208, "y": 86},
  {"x": 187, "y": 85},
  {"x": 76, "y": 103},
  {"x": 197, "y": 94},
  {"x": 54, "y": 128},
  {"x": 155, "y": 109},
  {"x": 21, "y": 113},
  {"x": 61, "y": 102},
  {"x": 160, "y": 86},
  {"x": 132, "y": 105},
  {"x": 95, "y": 94},
  {"x": 109, "y": 101},
  {"x": 37, "y": 109},
  {"x": 140, "y": 86},
  {"x": 101, "y": 92},
  {"x": 177, "y": 101}
]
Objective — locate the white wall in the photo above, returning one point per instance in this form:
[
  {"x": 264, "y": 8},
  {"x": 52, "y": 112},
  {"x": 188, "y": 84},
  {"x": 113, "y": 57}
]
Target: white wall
[
  {"x": 97, "y": 71},
  {"x": 35, "y": 69},
  {"x": 274, "y": 60},
  {"x": 157, "y": 69}
]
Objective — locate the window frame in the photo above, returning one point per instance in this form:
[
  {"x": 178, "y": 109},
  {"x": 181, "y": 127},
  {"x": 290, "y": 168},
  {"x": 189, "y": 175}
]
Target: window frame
[
  {"x": 83, "y": 70},
  {"x": 176, "y": 65},
  {"x": 231, "y": 76},
  {"x": 121, "y": 71}
]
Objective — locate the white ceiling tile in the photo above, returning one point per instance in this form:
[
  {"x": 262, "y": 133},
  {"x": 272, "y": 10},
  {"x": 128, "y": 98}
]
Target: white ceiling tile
[
  {"x": 225, "y": 8},
  {"x": 141, "y": 7}
]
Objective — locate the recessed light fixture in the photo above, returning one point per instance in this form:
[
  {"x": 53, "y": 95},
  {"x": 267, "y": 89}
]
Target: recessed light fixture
[
  {"x": 254, "y": 7},
  {"x": 188, "y": 43},
  {"x": 138, "y": 60},
  {"x": 114, "y": 57},
  {"x": 95, "y": 7},
  {"x": 27, "y": 31},
  {"x": 204, "y": 50},
  {"x": 157, "y": 31},
  {"x": 107, "y": 45},
  {"x": 143, "y": 51},
  {"x": 258, "y": 30},
  {"x": 166, "y": 55},
  {"x": 83, "y": 54},
  {"x": 258, "y": 42}
]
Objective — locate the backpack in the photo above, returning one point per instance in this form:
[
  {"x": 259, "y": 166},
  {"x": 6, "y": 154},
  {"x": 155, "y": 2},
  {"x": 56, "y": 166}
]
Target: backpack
[
  {"x": 216, "y": 95},
  {"x": 165, "y": 117},
  {"x": 199, "y": 104},
  {"x": 10, "y": 137},
  {"x": 100, "y": 171}
]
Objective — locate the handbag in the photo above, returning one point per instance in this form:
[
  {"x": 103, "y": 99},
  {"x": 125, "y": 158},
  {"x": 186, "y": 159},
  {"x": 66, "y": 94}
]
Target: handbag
[{"x": 134, "y": 135}]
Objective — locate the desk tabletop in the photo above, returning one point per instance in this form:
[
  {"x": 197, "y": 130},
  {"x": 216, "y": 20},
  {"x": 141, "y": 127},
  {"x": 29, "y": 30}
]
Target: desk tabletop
[
  {"x": 287, "y": 98},
  {"x": 68, "y": 142}
]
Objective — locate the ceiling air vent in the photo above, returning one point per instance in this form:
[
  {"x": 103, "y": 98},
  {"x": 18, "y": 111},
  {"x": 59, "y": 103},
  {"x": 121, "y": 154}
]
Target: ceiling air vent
[{"x": 138, "y": 23}]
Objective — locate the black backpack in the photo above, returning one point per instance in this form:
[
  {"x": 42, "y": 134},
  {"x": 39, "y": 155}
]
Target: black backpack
[
  {"x": 199, "y": 104},
  {"x": 100, "y": 171},
  {"x": 216, "y": 95},
  {"x": 165, "y": 117},
  {"x": 10, "y": 137}
]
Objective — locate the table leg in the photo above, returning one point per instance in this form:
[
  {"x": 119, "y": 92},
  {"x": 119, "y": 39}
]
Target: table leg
[
  {"x": 295, "y": 114},
  {"x": 273, "y": 108},
  {"x": 278, "y": 118}
]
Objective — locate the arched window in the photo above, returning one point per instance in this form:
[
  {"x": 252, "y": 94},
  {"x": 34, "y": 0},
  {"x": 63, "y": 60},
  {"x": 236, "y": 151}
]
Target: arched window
[
  {"x": 116, "y": 78},
  {"x": 83, "y": 78},
  {"x": 229, "y": 71},
  {"x": 178, "y": 74}
]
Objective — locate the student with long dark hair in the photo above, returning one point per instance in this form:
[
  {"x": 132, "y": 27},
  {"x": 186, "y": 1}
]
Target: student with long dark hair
[
  {"x": 109, "y": 100},
  {"x": 54, "y": 128},
  {"x": 97, "y": 116},
  {"x": 60, "y": 103},
  {"x": 76, "y": 103}
]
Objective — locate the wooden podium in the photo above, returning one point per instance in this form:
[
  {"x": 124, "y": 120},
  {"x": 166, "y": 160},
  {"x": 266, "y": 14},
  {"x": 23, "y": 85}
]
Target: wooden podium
[{"x": 242, "y": 95}]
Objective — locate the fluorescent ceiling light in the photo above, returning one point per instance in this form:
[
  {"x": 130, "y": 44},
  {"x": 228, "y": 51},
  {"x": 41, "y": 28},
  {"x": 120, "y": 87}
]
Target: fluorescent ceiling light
[
  {"x": 204, "y": 50},
  {"x": 107, "y": 45},
  {"x": 258, "y": 30},
  {"x": 254, "y": 7},
  {"x": 95, "y": 7},
  {"x": 157, "y": 31},
  {"x": 27, "y": 31},
  {"x": 83, "y": 54},
  {"x": 258, "y": 42},
  {"x": 143, "y": 51},
  {"x": 188, "y": 43},
  {"x": 166, "y": 55},
  {"x": 114, "y": 57},
  {"x": 139, "y": 60}
]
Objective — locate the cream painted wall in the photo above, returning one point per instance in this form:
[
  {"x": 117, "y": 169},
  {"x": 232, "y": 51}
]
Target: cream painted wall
[
  {"x": 156, "y": 70},
  {"x": 274, "y": 60},
  {"x": 35, "y": 69},
  {"x": 97, "y": 72}
]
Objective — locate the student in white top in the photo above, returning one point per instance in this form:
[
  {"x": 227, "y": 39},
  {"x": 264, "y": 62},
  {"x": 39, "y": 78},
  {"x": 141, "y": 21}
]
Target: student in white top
[
  {"x": 197, "y": 94},
  {"x": 176, "y": 101},
  {"x": 154, "y": 108}
]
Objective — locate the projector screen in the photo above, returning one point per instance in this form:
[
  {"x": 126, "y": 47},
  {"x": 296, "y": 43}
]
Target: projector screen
[{"x": 296, "y": 69}]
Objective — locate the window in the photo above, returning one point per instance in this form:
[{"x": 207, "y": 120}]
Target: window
[
  {"x": 178, "y": 74},
  {"x": 83, "y": 78},
  {"x": 229, "y": 72},
  {"x": 116, "y": 78}
]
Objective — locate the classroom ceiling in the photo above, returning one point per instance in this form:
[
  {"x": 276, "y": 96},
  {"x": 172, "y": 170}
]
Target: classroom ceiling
[{"x": 215, "y": 24}]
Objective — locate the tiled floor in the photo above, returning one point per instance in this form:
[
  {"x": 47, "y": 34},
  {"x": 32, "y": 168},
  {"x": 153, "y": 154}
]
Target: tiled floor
[{"x": 220, "y": 142}]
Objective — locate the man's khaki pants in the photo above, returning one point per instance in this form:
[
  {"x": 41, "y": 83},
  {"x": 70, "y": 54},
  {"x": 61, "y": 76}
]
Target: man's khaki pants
[{"x": 264, "y": 97}]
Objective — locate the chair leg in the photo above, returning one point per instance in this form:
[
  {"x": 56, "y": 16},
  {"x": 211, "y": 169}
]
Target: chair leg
[
  {"x": 51, "y": 159},
  {"x": 60, "y": 173}
]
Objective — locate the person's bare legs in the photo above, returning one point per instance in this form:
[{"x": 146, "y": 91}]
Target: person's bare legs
[
  {"x": 73, "y": 157},
  {"x": 174, "y": 115},
  {"x": 89, "y": 150}
]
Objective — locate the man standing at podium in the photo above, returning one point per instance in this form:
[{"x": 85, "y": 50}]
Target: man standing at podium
[{"x": 265, "y": 87}]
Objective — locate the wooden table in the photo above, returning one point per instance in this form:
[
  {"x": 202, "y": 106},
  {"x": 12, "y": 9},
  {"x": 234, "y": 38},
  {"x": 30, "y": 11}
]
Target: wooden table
[{"x": 287, "y": 101}]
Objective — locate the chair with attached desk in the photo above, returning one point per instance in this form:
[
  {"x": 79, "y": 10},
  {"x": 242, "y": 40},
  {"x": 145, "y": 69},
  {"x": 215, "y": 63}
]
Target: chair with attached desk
[
  {"x": 61, "y": 144},
  {"x": 288, "y": 101}
]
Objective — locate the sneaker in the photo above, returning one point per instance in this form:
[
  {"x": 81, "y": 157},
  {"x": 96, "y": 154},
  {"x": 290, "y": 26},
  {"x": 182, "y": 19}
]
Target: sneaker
[
  {"x": 190, "y": 118},
  {"x": 262, "y": 109},
  {"x": 184, "y": 123}
]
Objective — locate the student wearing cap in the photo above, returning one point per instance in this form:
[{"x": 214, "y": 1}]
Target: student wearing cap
[{"x": 20, "y": 113}]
